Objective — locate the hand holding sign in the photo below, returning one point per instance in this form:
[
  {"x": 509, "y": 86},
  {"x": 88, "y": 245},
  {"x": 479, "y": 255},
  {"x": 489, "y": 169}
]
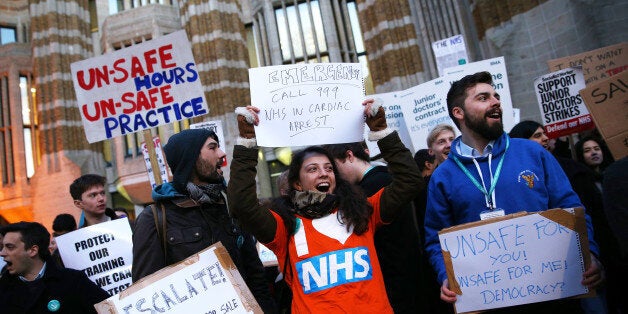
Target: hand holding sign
[
  {"x": 517, "y": 259},
  {"x": 307, "y": 103},
  {"x": 248, "y": 117}
]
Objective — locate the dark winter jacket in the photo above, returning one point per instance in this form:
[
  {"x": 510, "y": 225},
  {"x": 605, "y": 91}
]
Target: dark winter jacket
[
  {"x": 398, "y": 249},
  {"x": 72, "y": 289},
  {"x": 192, "y": 227}
]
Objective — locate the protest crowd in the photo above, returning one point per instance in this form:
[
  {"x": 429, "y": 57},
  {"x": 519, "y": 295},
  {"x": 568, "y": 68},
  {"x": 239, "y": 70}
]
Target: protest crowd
[{"x": 350, "y": 234}]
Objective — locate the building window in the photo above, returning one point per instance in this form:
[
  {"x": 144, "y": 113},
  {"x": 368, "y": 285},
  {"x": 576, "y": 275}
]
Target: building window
[
  {"x": 7, "y": 35},
  {"x": 301, "y": 32},
  {"x": 6, "y": 152},
  {"x": 117, "y": 6},
  {"x": 132, "y": 146},
  {"x": 29, "y": 123}
]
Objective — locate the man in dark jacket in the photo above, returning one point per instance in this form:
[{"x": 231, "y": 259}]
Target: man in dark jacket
[
  {"x": 195, "y": 211},
  {"x": 31, "y": 282},
  {"x": 398, "y": 245}
]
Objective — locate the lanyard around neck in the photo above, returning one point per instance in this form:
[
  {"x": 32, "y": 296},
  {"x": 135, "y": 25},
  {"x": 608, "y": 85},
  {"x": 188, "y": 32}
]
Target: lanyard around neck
[{"x": 490, "y": 194}]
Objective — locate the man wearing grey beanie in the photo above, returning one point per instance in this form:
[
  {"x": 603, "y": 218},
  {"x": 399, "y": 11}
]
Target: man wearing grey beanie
[{"x": 192, "y": 215}]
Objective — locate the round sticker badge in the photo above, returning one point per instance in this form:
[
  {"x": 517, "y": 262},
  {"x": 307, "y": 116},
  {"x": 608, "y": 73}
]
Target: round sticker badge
[{"x": 54, "y": 305}]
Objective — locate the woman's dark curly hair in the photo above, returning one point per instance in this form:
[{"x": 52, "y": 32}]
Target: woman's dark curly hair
[{"x": 353, "y": 208}]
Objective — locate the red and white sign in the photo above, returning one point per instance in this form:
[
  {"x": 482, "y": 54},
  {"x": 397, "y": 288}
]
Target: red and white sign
[
  {"x": 138, "y": 88},
  {"x": 562, "y": 109}
]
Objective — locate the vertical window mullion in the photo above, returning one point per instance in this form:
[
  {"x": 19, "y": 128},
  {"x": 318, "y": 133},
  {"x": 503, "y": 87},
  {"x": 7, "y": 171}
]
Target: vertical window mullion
[
  {"x": 317, "y": 49},
  {"x": 353, "y": 53},
  {"x": 259, "y": 31},
  {"x": 301, "y": 31},
  {"x": 344, "y": 47},
  {"x": 3, "y": 152},
  {"x": 289, "y": 37}
]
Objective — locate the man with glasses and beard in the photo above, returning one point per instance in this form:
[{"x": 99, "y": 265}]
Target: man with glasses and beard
[
  {"x": 487, "y": 174},
  {"x": 190, "y": 214}
]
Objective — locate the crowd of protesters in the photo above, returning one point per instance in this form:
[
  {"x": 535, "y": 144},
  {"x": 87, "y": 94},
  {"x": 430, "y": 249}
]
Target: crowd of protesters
[{"x": 373, "y": 228}]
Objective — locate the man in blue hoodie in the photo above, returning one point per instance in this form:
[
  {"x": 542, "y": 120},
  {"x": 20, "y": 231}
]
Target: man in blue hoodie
[
  {"x": 489, "y": 174},
  {"x": 192, "y": 215}
]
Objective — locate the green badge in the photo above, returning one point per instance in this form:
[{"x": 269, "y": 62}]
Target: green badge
[{"x": 54, "y": 305}]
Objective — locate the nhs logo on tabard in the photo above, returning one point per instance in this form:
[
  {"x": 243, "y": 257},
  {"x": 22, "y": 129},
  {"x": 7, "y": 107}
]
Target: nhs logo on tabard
[{"x": 334, "y": 268}]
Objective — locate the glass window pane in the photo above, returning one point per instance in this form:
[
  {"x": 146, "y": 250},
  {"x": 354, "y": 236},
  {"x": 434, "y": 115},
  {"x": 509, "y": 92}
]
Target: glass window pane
[
  {"x": 113, "y": 7},
  {"x": 308, "y": 32},
  {"x": 283, "y": 34},
  {"x": 128, "y": 145},
  {"x": 26, "y": 110},
  {"x": 7, "y": 35},
  {"x": 2, "y": 93},
  {"x": 355, "y": 27},
  {"x": 28, "y": 152},
  {"x": 294, "y": 29},
  {"x": 318, "y": 25},
  {"x": 3, "y": 163},
  {"x": 290, "y": 37}
]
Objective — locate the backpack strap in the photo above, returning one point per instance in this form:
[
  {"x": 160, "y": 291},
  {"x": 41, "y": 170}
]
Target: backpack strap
[{"x": 160, "y": 227}]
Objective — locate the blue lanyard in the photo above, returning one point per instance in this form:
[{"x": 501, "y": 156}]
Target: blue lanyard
[{"x": 487, "y": 194}]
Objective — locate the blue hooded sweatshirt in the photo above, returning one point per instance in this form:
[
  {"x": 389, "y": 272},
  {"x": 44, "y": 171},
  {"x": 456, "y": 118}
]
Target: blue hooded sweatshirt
[
  {"x": 164, "y": 192},
  {"x": 531, "y": 180}
]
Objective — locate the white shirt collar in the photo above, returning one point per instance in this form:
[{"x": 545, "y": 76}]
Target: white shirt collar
[{"x": 468, "y": 151}]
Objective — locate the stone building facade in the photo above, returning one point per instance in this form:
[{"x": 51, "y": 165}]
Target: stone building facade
[{"x": 42, "y": 143}]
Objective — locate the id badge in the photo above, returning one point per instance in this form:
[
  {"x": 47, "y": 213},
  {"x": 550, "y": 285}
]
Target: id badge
[{"x": 488, "y": 214}]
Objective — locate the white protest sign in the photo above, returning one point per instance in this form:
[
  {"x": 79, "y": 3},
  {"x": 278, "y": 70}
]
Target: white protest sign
[
  {"x": 526, "y": 259},
  {"x": 450, "y": 52},
  {"x": 216, "y": 127},
  {"x": 207, "y": 282},
  {"x": 424, "y": 106},
  {"x": 138, "y": 88},
  {"x": 160, "y": 162},
  {"x": 308, "y": 104},
  {"x": 104, "y": 252},
  {"x": 497, "y": 68},
  {"x": 516, "y": 115},
  {"x": 562, "y": 107},
  {"x": 394, "y": 119},
  {"x": 267, "y": 256}
]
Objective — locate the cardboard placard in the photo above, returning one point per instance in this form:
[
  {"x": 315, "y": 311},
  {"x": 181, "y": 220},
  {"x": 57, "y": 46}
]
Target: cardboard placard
[
  {"x": 596, "y": 64},
  {"x": 308, "y": 104},
  {"x": 104, "y": 252},
  {"x": 516, "y": 259},
  {"x": 562, "y": 110},
  {"x": 424, "y": 107},
  {"x": 138, "y": 88},
  {"x": 450, "y": 52},
  {"x": 607, "y": 100},
  {"x": 206, "y": 282}
]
